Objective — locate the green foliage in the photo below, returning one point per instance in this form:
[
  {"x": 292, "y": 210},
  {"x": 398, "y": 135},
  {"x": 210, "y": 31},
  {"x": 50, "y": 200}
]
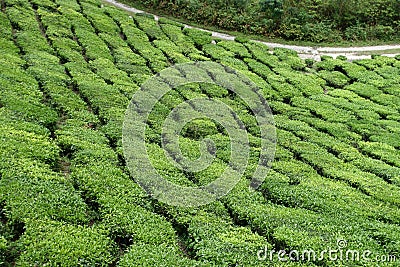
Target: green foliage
[
  {"x": 199, "y": 37},
  {"x": 185, "y": 43},
  {"x": 93, "y": 46},
  {"x": 216, "y": 52},
  {"x": 173, "y": 52},
  {"x": 199, "y": 128},
  {"x": 144, "y": 255},
  {"x": 334, "y": 78},
  {"x": 68, "y": 71},
  {"x": 102, "y": 23},
  {"x": 324, "y": 110},
  {"x": 238, "y": 49},
  {"x": 307, "y": 84},
  {"x": 52, "y": 243},
  {"x": 382, "y": 151},
  {"x": 36, "y": 198},
  {"x": 315, "y": 21}
]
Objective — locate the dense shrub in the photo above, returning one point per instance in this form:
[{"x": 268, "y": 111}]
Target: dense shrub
[
  {"x": 52, "y": 243},
  {"x": 321, "y": 21}
]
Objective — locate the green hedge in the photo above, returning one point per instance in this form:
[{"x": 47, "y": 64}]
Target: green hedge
[
  {"x": 53, "y": 243},
  {"x": 162, "y": 255},
  {"x": 199, "y": 37}
]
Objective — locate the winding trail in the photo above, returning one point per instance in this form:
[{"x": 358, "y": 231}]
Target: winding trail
[{"x": 352, "y": 53}]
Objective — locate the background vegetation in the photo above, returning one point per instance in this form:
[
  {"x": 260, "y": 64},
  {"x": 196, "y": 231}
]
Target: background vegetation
[{"x": 304, "y": 20}]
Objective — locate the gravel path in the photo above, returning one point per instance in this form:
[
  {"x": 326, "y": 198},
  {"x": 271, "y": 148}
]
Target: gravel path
[{"x": 352, "y": 53}]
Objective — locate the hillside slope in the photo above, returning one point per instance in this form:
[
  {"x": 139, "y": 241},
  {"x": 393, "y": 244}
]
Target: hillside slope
[{"x": 69, "y": 69}]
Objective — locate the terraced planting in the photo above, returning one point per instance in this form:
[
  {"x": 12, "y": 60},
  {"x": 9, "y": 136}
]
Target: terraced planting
[{"x": 68, "y": 71}]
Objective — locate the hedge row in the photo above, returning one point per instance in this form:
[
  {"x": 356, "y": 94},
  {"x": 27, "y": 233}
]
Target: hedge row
[
  {"x": 324, "y": 111},
  {"x": 87, "y": 184},
  {"x": 95, "y": 170},
  {"x": 298, "y": 185},
  {"x": 261, "y": 53},
  {"x": 297, "y": 228},
  {"x": 211, "y": 236},
  {"x": 382, "y": 151},
  {"x": 331, "y": 167},
  {"x": 175, "y": 34},
  {"x": 341, "y": 146},
  {"x": 58, "y": 244},
  {"x": 172, "y": 51},
  {"x": 34, "y": 194},
  {"x": 206, "y": 230},
  {"x": 138, "y": 39}
]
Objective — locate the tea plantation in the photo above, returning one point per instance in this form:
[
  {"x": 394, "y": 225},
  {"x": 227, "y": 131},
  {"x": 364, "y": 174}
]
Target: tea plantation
[{"x": 68, "y": 71}]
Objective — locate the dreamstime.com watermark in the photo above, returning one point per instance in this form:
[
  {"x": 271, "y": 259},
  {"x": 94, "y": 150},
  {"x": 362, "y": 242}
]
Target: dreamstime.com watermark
[
  {"x": 339, "y": 253},
  {"x": 202, "y": 106}
]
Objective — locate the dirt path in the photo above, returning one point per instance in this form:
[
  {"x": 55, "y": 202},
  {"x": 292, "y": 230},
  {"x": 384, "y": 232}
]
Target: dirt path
[{"x": 352, "y": 53}]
